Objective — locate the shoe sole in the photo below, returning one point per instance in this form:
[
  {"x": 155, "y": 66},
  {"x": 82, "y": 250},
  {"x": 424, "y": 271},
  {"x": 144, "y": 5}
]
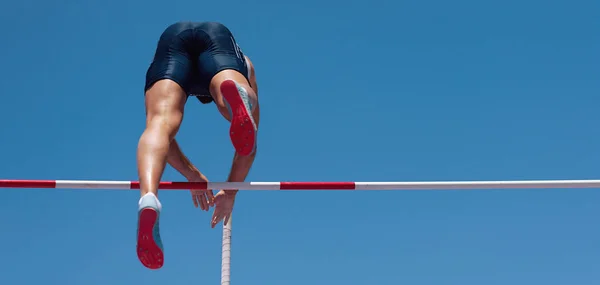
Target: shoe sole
[
  {"x": 243, "y": 129},
  {"x": 148, "y": 251}
]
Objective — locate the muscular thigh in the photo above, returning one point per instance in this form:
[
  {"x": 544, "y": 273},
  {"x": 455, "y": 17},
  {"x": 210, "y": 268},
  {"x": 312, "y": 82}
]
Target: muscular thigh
[{"x": 165, "y": 98}]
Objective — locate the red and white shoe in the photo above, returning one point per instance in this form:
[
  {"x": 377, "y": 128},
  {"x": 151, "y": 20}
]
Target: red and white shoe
[
  {"x": 149, "y": 243},
  {"x": 243, "y": 128}
]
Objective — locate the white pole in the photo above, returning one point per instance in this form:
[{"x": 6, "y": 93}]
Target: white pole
[{"x": 226, "y": 254}]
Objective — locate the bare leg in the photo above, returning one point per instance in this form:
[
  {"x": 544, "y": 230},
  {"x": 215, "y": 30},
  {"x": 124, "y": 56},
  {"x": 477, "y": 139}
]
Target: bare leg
[
  {"x": 165, "y": 101},
  {"x": 164, "y": 112}
]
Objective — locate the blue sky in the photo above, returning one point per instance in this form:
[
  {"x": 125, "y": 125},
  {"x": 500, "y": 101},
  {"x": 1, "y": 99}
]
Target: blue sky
[{"x": 352, "y": 90}]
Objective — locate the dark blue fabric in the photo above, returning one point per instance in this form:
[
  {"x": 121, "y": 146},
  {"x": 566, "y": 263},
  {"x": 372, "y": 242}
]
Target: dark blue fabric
[{"x": 191, "y": 53}]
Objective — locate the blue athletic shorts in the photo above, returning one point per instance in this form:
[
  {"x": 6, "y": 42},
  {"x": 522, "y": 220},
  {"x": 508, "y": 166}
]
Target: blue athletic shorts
[{"x": 191, "y": 53}]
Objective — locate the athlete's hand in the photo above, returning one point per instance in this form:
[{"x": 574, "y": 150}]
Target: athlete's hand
[
  {"x": 202, "y": 198},
  {"x": 223, "y": 202}
]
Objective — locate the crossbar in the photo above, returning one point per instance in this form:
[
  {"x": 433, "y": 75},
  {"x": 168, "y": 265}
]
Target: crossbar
[{"x": 299, "y": 185}]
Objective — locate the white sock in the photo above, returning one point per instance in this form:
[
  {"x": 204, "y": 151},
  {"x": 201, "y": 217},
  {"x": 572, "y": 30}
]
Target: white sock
[{"x": 151, "y": 195}]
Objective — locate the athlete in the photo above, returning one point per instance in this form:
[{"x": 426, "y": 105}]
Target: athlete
[{"x": 200, "y": 59}]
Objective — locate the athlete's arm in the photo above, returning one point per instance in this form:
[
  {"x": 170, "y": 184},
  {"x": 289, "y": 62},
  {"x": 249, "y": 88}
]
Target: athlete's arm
[
  {"x": 176, "y": 158},
  {"x": 180, "y": 162}
]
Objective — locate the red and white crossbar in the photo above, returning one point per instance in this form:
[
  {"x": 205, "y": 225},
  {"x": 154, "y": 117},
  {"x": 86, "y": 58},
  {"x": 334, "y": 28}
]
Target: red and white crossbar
[{"x": 425, "y": 185}]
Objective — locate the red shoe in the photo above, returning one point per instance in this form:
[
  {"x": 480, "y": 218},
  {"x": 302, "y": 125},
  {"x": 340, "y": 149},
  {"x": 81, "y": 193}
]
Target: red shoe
[
  {"x": 149, "y": 244},
  {"x": 243, "y": 128}
]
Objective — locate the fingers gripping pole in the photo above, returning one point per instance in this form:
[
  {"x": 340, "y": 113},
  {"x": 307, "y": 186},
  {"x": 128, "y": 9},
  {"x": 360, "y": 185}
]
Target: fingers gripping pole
[{"x": 226, "y": 255}]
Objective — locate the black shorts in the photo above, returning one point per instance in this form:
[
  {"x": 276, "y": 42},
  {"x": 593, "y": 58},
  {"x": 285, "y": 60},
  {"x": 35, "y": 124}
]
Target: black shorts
[{"x": 191, "y": 53}]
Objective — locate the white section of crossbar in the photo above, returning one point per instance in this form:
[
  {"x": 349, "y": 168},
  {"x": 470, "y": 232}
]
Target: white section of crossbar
[{"x": 459, "y": 185}]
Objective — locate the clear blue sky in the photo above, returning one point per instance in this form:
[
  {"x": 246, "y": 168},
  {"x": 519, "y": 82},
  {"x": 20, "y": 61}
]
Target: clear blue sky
[{"x": 352, "y": 90}]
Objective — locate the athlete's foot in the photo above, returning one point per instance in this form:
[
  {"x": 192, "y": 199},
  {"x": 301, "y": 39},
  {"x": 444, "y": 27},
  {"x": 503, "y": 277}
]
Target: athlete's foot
[
  {"x": 243, "y": 128},
  {"x": 149, "y": 244}
]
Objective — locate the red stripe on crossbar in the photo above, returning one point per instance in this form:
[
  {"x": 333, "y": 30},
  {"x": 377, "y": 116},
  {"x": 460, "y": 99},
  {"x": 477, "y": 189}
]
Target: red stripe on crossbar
[
  {"x": 175, "y": 185},
  {"x": 27, "y": 183}
]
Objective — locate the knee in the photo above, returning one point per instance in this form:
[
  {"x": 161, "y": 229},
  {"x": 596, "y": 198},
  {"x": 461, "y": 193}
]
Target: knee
[
  {"x": 215, "y": 91},
  {"x": 165, "y": 122}
]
